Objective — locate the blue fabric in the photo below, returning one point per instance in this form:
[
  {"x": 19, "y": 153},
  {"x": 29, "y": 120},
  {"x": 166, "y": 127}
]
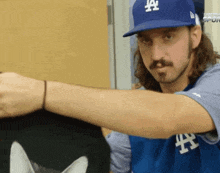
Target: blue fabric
[
  {"x": 184, "y": 152},
  {"x": 206, "y": 92},
  {"x": 120, "y": 152},
  {"x": 161, "y": 14},
  {"x": 161, "y": 156},
  {"x": 196, "y": 153}
]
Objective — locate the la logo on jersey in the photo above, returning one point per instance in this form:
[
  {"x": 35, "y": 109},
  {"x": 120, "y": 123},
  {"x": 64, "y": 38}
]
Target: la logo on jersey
[
  {"x": 182, "y": 139},
  {"x": 152, "y": 4}
]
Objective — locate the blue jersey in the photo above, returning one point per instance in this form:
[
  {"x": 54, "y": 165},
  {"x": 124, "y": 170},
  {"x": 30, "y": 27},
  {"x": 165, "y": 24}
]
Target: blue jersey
[
  {"x": 184, "y": 153},
  {"x": 181, "y": 153}
]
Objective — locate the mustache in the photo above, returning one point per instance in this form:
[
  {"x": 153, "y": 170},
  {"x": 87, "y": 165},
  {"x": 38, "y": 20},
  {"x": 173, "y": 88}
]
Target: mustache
[{"x": 162, "y": 62}]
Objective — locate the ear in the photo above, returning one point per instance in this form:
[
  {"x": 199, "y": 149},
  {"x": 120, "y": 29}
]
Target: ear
[
  {"x": 78, "y": 166},
  {"x": 19, "y": 162},
  {"x": 196, "y": 35}
]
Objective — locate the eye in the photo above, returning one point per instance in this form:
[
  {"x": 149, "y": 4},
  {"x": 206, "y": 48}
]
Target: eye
[
  {"x": 144, "y": 41},
  {"x": 168, "y": 37}
]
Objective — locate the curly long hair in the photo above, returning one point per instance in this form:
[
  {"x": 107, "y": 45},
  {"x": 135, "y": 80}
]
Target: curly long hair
[{"x": 204, "y": 54}]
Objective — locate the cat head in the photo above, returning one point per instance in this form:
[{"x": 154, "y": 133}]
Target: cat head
[{"x": 20, "y": 163}]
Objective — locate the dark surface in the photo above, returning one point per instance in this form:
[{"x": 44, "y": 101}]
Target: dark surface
[{"x": 54, "y": 141}]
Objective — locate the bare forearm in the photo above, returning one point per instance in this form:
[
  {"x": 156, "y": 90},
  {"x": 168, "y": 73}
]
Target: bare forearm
[
  {"x": 135, "y": 112},
  {"x": 139, "y": 113}
]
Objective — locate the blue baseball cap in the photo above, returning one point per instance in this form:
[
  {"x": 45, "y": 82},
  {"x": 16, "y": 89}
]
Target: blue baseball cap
[{"x": 152, "y": 14}]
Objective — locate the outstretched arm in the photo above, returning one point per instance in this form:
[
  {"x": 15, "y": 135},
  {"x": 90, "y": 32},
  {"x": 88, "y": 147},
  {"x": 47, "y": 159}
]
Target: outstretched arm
[{"x": 134, "y": 112}]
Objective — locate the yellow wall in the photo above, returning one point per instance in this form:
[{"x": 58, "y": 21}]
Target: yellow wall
[{"x": 62, "y": 40}]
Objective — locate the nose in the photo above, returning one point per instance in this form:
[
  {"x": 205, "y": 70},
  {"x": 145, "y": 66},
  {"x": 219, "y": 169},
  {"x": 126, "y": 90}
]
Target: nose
[{"x": 157, "y": 51}]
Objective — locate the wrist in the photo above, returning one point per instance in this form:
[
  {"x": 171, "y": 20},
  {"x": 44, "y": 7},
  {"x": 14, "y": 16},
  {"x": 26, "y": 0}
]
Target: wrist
[{"x": 37, "y": 94}]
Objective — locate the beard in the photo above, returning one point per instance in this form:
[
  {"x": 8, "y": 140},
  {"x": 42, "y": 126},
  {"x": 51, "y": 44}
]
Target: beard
[{"x": 162, "y": 76}]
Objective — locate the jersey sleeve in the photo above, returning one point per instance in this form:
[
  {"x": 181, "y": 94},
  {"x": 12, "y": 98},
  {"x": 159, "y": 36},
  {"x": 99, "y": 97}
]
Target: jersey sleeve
[
  {"x": 207, "y": 93},
  {"x": 120, "y": 152}
]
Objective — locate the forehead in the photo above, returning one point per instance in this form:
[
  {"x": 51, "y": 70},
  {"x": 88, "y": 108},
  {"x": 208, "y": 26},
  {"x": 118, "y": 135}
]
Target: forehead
[{"x": 160, "y": 31}]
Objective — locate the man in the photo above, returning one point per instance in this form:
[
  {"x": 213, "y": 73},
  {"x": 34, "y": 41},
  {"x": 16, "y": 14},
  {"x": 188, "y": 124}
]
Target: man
[
  {"x": 173, "y": 131},
  {"x": 157, "y": 45}
]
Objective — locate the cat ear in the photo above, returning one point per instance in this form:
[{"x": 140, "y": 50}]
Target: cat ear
[
  {"x": 78, "y": 166},
  {"x": 19, "y": 162}
]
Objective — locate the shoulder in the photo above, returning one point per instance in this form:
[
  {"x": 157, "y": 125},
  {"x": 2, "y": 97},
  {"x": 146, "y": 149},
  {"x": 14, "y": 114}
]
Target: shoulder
[
  {"x": 210, "y": 77},
  {"x": 212, "y": 69}
]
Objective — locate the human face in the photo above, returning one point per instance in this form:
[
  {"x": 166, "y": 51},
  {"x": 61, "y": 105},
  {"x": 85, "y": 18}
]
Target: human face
[{"x": 166, "y": 53}]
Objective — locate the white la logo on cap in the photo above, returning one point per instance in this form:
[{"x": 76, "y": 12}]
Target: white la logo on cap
[{"x": 150, "y": 4}]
